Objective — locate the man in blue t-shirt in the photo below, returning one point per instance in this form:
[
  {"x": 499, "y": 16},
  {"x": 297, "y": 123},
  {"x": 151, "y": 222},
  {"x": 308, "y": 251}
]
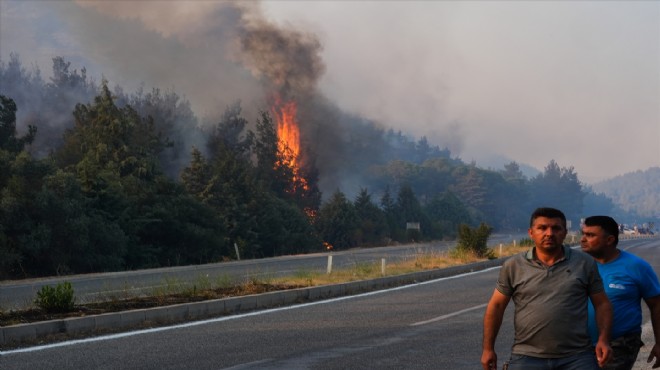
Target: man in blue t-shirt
[{"x": 627, "y": 280}]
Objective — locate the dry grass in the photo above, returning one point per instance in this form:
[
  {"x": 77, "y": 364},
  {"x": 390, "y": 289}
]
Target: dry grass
[
  {"x": 416, "y": 263},
  {"x": 173, "y": 291}
]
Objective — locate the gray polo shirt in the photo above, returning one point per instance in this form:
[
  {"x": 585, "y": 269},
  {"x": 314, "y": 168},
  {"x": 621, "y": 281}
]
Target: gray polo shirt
[{"x": 550, "y": 317}]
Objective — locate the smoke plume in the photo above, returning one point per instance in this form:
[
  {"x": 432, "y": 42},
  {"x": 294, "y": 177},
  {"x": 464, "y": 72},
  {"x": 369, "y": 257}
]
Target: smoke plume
[
  {"x": 217, "y": 53},
  {"x": 286, "y": 60}
]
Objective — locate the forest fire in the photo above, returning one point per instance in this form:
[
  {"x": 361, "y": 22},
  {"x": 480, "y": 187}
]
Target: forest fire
[{"x": 288, "y": 134}]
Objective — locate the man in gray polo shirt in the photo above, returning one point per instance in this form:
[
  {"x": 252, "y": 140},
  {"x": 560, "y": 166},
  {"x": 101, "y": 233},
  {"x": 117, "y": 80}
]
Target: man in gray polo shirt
[{"x": 550, "y": 285}]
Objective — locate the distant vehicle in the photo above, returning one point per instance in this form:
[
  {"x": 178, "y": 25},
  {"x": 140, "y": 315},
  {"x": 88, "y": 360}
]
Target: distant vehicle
[{"x": 627, "y": 231}]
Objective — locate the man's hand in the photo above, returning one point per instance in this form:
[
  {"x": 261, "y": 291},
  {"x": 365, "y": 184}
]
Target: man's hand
[
  {"x": 603, "y": 353},
  {"x": 655, "y": 352},
  {"x": 489, "y": 360}
]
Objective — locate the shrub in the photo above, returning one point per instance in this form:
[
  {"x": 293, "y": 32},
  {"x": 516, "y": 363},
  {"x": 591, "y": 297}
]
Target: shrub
[
  {"x": 58, "y": 299},
  {"x": 526, "y": 242},
  {"x": 474, "y": 240}
]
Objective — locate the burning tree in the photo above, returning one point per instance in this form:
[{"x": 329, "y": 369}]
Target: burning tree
[
  {"x": 288, "y": 64},
  {"x": 288, "y": 136},
  {"x": 280, "y": 159}
]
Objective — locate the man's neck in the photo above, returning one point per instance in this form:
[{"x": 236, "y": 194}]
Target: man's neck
[
  {"x": 609, "y": 256},
  {"x": 550, "y": 258}
]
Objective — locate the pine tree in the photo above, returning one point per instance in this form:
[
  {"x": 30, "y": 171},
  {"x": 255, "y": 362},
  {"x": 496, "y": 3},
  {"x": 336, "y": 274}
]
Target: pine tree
[
  {"x": 409, "y": 210},
  {"x": 8, "y": 139},
  {"x": 446, "y": 213},
  {"x": 373, "y": 226},
  {"x": 337, "y": 222}
]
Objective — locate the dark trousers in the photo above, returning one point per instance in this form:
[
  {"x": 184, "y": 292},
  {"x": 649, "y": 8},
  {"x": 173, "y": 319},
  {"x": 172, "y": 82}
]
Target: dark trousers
[
  {"x": 625, "y": 349},
  {"x": 581, "y": 361}
]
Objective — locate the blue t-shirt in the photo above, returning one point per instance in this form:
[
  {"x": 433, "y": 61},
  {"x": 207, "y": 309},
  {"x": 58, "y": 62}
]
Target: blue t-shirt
[{"x": 627, "y": 280}]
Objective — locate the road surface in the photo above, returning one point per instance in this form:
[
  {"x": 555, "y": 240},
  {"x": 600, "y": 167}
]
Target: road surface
[
  {"x": 434, "y": 324},
  {"x": 20, "y": 294}
]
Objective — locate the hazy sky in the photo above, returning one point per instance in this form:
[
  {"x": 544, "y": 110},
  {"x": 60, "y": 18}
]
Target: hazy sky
[{"x": 530, "y": 81}]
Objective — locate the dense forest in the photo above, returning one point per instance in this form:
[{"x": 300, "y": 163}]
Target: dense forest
[
  {"x": 96, "y": 179},
  {"x": 636, "y": 192}
]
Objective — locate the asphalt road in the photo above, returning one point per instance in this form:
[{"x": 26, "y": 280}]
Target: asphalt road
[
  {"x": 19, "y": 294},
  {"x": 435, "y": 324},
  {"x": 432, "y": 325}
]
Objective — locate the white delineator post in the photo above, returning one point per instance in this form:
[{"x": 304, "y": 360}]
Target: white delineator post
[{"x": 329, "y": 265}]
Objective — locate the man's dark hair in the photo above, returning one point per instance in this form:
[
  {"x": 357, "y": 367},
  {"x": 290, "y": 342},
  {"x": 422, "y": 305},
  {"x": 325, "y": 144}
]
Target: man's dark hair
[
  {"x": 548, "y": 213},
  {"x": 607, "y": 223}
]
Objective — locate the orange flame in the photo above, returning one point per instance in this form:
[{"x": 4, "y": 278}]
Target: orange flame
[{"x": 288, "y": 135}]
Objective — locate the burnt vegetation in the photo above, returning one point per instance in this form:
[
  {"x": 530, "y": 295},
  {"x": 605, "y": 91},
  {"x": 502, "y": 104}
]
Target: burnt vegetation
[{"x": 94, "y": 179}]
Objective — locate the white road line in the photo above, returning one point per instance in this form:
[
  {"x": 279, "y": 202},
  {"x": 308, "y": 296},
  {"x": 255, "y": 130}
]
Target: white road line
[
  {"x": 449, "y": 315},
  {"x": 234, "y": 317}
]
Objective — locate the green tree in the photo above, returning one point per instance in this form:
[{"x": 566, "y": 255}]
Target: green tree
[
  {"x": 373, "y": 226},
  {"x": 227, "y": 181},
  {"x": 52, "y": 104},
  {"x": 260, "y": 219},
  {"x": 337, "y": 222},
  {"x": 283, "y": 228},
  {"x": 435, "y": 177},
  {"x": 446, "y": 213},
  {"x": 408, "y": 209},
  {"x": 113, "y": 153},
  {"x": 108, "y": 143},
  {"x": 173, "y": 118},
  {"x": 21, "y": 179},
  {"x": 228, "y": 196},
  {"x": 512, "y": 172},
  {"x": 70, "y": 235},
  {"x": 388, "y": 205},
  {"x": 196, "y": 177},
  {"x": 50, "y": 228},
  {"x": 516, "y": 194},
  {"x": 230, "y": 135},
  {"x": 503, "y": 204},
  {"x": 8, "y": 139},
  {"x": 471, "y": 188},
  {"x": 179, "y": 227},
  {"x": 558, "y": 187}
]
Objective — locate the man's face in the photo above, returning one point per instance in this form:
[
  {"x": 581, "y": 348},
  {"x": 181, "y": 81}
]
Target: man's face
[
  {"x": 595, "y": 241},
  {"x": 547, "y": 233}
]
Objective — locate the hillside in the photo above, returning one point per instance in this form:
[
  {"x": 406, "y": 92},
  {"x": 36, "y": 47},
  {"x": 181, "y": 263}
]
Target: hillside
[{"x": 635, "y": 192}]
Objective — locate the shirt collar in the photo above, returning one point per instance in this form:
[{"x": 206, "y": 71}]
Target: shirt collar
[{"x": 567, "y": 253}]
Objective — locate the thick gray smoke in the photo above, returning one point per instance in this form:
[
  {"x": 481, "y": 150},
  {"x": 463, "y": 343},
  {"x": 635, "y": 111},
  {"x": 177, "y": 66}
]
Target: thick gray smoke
[
  {"x": 189, "y": 47},
  {"x": 286, "y": 60},
  {"x": 212, "y": 54}
]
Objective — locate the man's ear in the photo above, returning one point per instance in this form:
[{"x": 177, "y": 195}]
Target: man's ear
[{"x": 610, "y": 239}]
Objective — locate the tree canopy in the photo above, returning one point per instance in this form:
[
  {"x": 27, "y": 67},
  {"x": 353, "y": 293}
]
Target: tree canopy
[{"x": 99, "y": 180}]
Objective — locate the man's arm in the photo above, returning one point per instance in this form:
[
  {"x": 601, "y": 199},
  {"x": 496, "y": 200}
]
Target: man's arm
[
  {"x": 492, "y": 323},
  {"x": 654, "y": 307},
  {"x": 604, "y": 313}
]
